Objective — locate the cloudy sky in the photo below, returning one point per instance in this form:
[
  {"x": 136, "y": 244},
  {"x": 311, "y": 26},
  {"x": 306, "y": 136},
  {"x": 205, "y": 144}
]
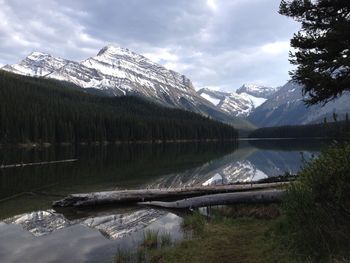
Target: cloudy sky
[{"x": 216, "y": 43}]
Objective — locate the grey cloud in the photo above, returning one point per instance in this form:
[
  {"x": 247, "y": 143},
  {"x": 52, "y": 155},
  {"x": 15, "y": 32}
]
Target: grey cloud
[
  {"x": 152, "y": 22},
  {"x": 215, "y": 45}
]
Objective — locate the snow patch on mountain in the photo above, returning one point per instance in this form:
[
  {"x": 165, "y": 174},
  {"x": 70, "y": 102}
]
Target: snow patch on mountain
[
  {"x": 255, "y": 101},
  {"x": 216, "y": 179},
  {"x": 37, "y": 64},
  {"x": 257, "y": 90},
  {"x": 211, "y": 99},
  {"x": 240, "y": 103}
]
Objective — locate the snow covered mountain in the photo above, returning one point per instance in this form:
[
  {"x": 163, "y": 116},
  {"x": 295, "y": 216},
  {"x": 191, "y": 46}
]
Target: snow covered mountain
[
  {"x": 111, "y": 225},
  {"x": 286, "y": 107},
  {"x": 118, "y": 71},
  {"x": 265, "y": 106},
  {"x": 257, "y": 90},
  {"x": 37, "y": 64},
  {"x": 240, "y": 103}
]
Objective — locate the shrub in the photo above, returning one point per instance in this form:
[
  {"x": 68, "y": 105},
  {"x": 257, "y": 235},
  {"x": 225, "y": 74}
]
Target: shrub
[{"x": 317, "y": 206}]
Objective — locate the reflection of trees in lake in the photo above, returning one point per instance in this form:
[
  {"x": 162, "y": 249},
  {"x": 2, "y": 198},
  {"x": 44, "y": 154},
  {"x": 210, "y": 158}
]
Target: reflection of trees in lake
[
  {"x": 250, "y": 162},
  {"x": 98, "y": 168}
]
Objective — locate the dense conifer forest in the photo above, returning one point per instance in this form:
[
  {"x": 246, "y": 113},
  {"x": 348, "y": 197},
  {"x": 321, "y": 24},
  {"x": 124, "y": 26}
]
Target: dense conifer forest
[
  {"x": 337, "y": 129},
  {"x": 41, "y": 110}
]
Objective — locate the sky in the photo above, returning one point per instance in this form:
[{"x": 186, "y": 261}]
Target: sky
[{"x": 219, "y": 44}]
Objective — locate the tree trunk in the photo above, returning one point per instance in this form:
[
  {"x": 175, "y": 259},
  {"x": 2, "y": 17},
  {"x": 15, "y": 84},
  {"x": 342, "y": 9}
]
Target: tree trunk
[
  {"x": 251, "y": 197},
  {"x": 142, "y": 195}
]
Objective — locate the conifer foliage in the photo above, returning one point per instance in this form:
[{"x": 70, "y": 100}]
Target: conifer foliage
[
  {"x": 42, "y": 110},
  {"x": 322, "y": 47}
]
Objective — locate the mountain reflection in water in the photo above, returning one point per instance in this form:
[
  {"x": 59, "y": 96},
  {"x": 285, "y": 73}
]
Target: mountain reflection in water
[{"x": 26, "y": 193}]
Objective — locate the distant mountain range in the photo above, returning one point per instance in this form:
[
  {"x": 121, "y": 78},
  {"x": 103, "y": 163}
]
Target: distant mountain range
[
  {"x": 116, "y": 71},
  {"x": 266, "y": 107},
  {"x": 286, "y": 107}
]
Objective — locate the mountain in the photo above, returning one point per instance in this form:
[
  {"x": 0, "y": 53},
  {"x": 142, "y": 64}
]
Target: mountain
[
  {"x": 286, "y": 107},
  {"x": 118, "y": 71},
  {"x": 257, "y": 91},
  {"x": 37, "y": 64},
  {"x": 112, "y": 226},
  {"x": 240, "y": 103}
]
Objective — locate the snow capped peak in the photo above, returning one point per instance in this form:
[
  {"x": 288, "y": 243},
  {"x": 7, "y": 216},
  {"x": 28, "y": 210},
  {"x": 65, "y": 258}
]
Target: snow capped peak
[
  {"x": 109, "y": 50},
  {"x": 37, "y": 64},
  {"x": 256, "y": 90},
  {"x": 114, "y": 51},
  {"x": 250, "y": 86},
  {"x": 38, "y": 55}
]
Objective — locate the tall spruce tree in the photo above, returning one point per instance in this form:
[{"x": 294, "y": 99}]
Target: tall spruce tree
[{"x": 322, "y": 47}]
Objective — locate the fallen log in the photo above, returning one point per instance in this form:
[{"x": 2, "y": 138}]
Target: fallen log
[
  {"x": 142, "y": 195},
  {"x": 34, "y": 164},
  {"x": 251, "y": 197}
]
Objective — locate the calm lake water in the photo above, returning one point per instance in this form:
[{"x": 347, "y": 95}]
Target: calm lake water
[{"x": 31, "y": 231}]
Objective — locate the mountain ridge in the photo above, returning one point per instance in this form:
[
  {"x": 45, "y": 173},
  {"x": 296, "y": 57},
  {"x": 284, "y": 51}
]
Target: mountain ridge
[
  {"x": 286, "y": 107},
  {"x": 119, "y": 71},
  {"x": 241, "y": 102}
]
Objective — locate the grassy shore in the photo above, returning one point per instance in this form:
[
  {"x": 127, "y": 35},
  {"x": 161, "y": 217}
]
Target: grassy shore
[
  {"x": 312, "y": 224},
  {"x": 232, "y": 234},
  {"x": 244, "y": 233},
  {"x": 229, "y": 234}
]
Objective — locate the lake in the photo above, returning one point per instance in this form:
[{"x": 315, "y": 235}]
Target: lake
[{"x": 31, "y": 231}]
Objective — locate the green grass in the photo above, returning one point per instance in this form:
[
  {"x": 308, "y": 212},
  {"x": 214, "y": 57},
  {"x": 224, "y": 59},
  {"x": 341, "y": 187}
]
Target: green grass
[
  {"x": 235, "y": 234},
  {"x": 150, "y": 239},
  {"x": 165, "y": 240},
  {"x": 123, "y": 256},
  {"x": 195, "y": 222},
  {"x": 240, "y": 233}
]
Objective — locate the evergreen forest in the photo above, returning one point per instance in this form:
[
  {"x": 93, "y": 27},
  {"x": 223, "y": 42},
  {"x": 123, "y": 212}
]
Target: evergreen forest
[{"x": 37, "y": 110}]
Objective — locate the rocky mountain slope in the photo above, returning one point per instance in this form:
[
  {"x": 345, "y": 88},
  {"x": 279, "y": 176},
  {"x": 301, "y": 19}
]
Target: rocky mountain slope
[
  {"x": 257, "y": 91},
  {"x": 265, "y": 106},
  {"x": 118, "y": 71},
  {"x": 240, "y": 103},
  {"x": 286, "y": 107}
]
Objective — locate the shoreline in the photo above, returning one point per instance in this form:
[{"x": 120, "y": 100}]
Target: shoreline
[{"x": 103, "y": 143}]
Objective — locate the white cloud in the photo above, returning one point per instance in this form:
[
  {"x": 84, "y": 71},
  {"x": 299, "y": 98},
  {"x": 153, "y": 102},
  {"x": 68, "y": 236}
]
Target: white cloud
[
  {"x": 212, "y": 88},
  {"x": 161, "y": 54},
  {"x": 179, "y": 67},
  {"x": 212, "y": 4},
  {"x": 276, "y": 48}
]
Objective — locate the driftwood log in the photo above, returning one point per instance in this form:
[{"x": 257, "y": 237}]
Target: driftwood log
[
  {"x": 250, "y": 197},
  {"x": 142, "y": 195},
  {"x": 34, "y": 164}
]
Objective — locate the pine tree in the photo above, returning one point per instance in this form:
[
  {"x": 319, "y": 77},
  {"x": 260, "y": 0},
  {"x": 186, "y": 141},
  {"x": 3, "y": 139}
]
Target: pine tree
[
  {"x": 41, "y": 110},
  {"x": 322, "y": 47}
]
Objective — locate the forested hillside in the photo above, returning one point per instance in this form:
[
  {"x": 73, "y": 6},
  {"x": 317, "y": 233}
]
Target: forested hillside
[
  {"x": 40, "y": 110},
  {"x": 325, "y": 130}
]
